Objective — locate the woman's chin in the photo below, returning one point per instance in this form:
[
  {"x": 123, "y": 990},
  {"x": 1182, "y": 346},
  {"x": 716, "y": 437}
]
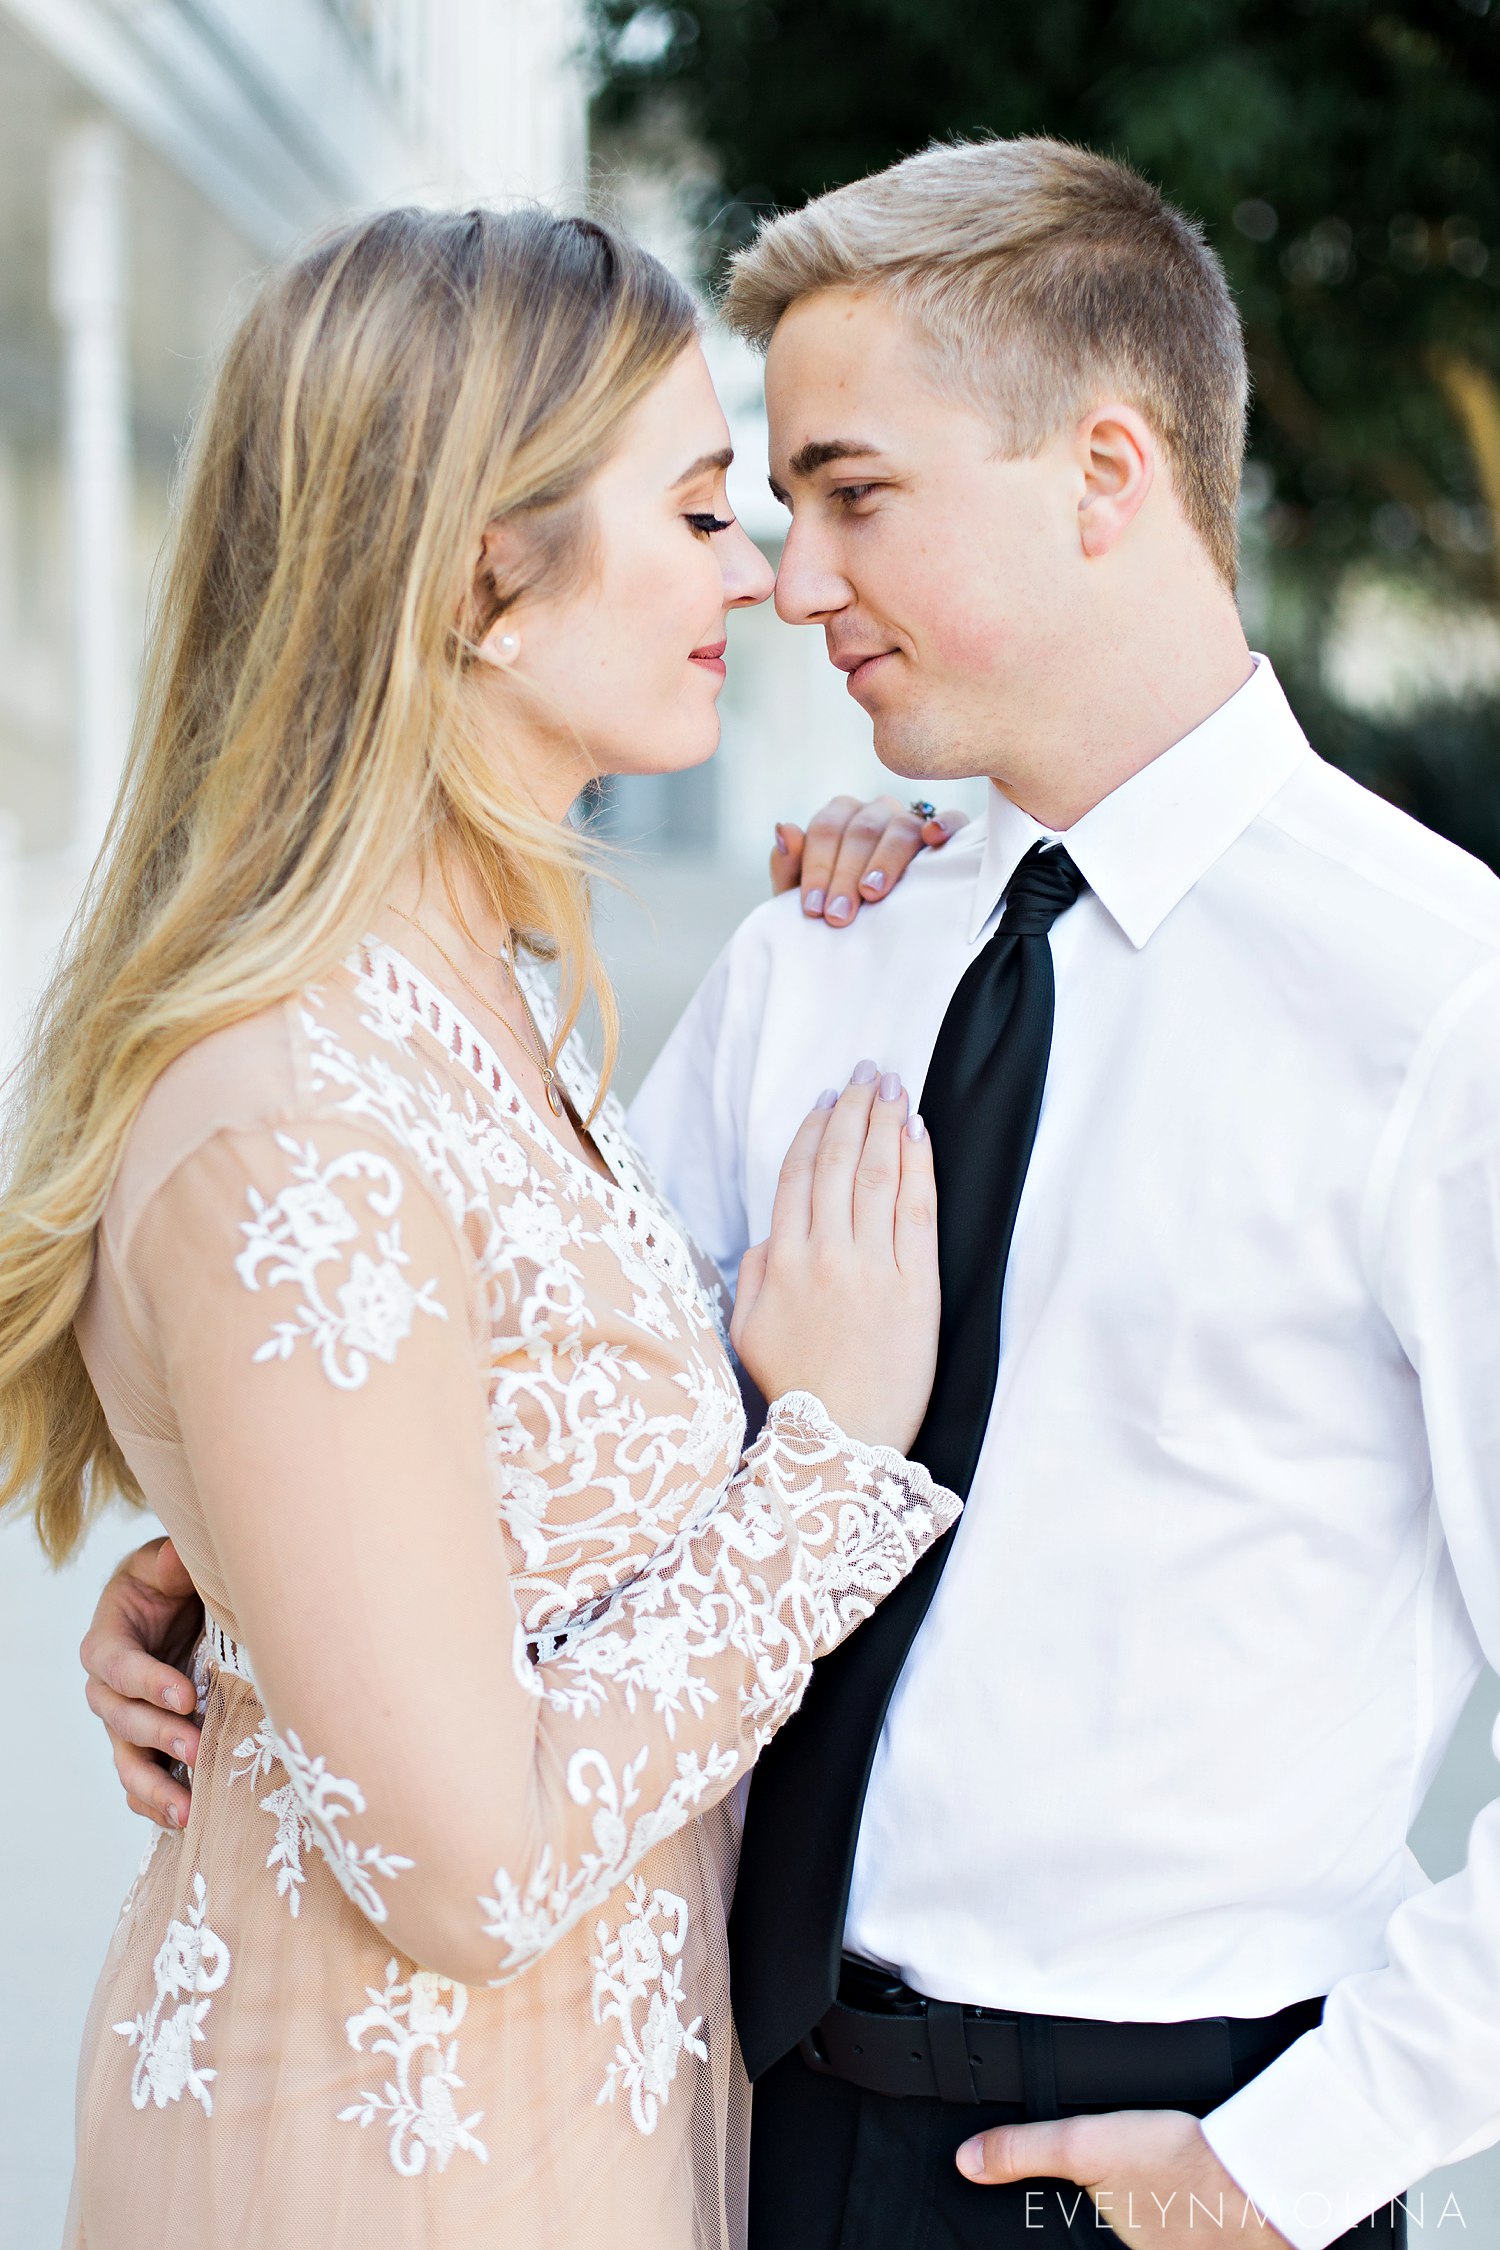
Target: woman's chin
[{"x": 675, "y": 752}]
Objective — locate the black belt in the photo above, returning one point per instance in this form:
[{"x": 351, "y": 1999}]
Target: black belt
[{"x": 883, "y": 2036}]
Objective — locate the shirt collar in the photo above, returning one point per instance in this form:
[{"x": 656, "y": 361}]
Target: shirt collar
[{"x": 1144, "y": 846}]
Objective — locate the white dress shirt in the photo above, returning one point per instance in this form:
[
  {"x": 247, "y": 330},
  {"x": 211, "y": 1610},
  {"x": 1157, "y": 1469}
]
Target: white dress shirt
[{"x": 1231, "y": 1560}]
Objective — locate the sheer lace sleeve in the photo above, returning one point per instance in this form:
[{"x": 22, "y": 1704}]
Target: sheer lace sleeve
[{"x": 314, "y": 1306}]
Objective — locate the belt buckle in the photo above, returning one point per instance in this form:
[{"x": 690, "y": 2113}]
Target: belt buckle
[{"x": 876, "y": 1991}]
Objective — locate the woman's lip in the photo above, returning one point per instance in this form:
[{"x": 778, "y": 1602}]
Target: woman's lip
[{"x": 712, "y": 652}]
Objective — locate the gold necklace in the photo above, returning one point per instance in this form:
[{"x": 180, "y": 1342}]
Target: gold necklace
[{"x": 508, "y": 962}]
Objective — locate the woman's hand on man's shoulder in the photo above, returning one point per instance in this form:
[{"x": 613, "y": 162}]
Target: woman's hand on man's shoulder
[{"x": 854, "y": 852}]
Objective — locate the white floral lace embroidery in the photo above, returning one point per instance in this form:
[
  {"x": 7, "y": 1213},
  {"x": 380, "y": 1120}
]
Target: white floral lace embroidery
[
  {"x": 854, "y": 1532},
  {"x": 528, "y": 1921},
  {"x": 604, "y": 1498},
  {"x": 127, "y": 1904},
  {"x": 308, "y": 1225},
  {"x": 416, "y": 2021},
  {"x": 307, "y": 1809},
  {"x": 192, "y": 1963},
  {"x": 857, "y": 1529},
  {"x": 616, "y": 1435},
  {"x": 522, "y": 1497},
  {"x": 640, "y": 1969},
  {"x": 614, "y": 1478}
]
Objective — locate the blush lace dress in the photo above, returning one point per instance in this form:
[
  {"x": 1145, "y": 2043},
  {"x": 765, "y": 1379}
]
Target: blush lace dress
[{"x": 443, "y": 1425}]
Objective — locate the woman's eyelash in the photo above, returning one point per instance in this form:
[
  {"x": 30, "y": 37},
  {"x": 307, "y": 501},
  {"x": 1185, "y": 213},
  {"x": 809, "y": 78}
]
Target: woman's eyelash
[{"x": 709, "y": 524}]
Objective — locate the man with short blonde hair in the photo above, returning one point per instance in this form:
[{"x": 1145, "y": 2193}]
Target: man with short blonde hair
[
  {"x": 1083, "y": 1865},
  {"x": 1036, "y": 272}
]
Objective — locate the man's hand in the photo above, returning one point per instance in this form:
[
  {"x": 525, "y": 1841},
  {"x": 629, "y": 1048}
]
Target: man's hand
[
  {"x": 148, "y": 1618},
  {"x": 1150, "y": 2172},
  {"x": 854, "y": 853}
]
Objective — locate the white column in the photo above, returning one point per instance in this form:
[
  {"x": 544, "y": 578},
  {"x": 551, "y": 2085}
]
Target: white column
[{"x": 89, "y": 304}]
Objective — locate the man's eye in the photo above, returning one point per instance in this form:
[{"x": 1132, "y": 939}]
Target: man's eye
[
  {"x": 847, "y": 494},
  {"x": 708, "y": 525}
]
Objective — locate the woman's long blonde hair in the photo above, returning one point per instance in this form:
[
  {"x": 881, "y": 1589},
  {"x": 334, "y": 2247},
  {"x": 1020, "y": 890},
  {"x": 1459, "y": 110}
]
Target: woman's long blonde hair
[{"x": 307, "y": 716}]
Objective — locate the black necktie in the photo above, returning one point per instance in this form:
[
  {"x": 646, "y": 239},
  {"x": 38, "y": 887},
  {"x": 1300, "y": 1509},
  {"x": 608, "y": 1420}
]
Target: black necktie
[{"x": 981, "y": 1102}]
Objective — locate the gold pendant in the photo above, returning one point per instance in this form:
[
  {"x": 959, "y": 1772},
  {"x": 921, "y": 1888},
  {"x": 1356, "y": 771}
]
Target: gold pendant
[{"x": 554, "y": 1099}]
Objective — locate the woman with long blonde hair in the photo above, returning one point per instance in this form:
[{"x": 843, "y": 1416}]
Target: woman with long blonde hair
[{"x": 323, "y": 1239}]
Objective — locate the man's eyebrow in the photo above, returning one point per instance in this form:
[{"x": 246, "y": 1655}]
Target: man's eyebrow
[
  {"x": 705, "y": 461},
  {"x": 820, "y": 451}
]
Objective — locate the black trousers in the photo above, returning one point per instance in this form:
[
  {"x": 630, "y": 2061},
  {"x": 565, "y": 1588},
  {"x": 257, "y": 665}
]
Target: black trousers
[{"x": 835, "y": 2168}]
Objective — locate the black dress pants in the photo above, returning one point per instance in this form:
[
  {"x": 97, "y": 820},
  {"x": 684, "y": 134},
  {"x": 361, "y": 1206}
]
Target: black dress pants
[{"x": 833, "y": 2167}]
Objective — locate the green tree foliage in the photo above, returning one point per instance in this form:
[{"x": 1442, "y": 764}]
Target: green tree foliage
[{"x": 1344, "y": 156}]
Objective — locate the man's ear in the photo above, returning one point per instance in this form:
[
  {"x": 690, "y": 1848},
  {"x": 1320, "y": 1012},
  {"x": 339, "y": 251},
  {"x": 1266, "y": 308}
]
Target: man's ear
[{"x": 1116, "y": 450}]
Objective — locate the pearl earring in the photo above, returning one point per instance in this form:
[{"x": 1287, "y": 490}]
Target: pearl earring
[{"x": 510, "y": 647}]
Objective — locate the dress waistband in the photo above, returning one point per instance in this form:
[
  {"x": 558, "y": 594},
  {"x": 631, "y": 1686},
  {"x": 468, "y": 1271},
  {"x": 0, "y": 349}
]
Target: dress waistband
[{"x": 222, "y": 1649}]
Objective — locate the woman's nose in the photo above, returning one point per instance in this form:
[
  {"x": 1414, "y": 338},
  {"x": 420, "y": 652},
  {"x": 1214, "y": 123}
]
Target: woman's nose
[{"x": 748, "y": 577}]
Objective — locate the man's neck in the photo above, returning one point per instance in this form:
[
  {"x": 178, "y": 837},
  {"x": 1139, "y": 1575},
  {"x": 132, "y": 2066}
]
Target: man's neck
[{"x": 1128, "y": 703}]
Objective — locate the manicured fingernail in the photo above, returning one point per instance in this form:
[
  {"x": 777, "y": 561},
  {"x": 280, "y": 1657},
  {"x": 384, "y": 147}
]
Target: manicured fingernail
[
  {"x": 840, "y": 910},
  {"x": 812, "y": 902},
  {"x": 915, "y": 1129},
  {"x": 874, "y": 881},
  {"x": 179, "y": 1745},
  {"x": 171, "y": 1698},
  {"x": 890, "y": 1086},
  {"x": 970, "y": 2160},
  {"x": 828, "y": 1099},
  {"x": 781, "y": 843},
  {"x": 172, "y": 1819},
  {"x": 863, "y": 1074}
]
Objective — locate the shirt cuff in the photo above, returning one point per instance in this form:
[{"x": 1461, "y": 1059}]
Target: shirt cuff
[{"x": 1308, "y": 2149}]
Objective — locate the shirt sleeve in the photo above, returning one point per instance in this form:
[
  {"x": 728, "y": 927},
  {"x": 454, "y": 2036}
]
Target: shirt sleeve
[
  {"x": 1403, "y": 2073},
  {"x": 688, "y": 1118},
  {"x": 315, "y": 1309}
]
